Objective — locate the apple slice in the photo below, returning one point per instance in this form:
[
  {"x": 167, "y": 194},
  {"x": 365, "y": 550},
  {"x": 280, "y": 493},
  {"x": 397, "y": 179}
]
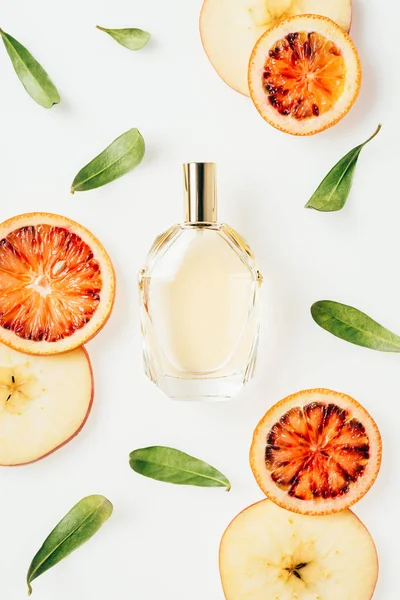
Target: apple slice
[
  {"x": 230, "y": 29},
  {"x": 44, "y": 402},
  {"x": 270, "y": 553}
]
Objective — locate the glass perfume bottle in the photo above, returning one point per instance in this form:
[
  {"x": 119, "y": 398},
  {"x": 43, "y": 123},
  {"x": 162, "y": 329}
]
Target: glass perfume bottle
[{"x": 199, "y": 296}]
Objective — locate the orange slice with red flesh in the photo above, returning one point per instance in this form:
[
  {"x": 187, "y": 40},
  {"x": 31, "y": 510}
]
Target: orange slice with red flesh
[
  {"x": 316, "y": 452},
  {"x": 57, "y": 284},
  {"x": 304, "y": 75}
]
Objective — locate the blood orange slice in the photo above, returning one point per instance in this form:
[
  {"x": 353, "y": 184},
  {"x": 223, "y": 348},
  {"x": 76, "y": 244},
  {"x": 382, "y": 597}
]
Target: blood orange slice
[
  {"x": 57, "y": 284},
  {"x": 304, "y": 75},
  {"x": 316, "y": 452}
]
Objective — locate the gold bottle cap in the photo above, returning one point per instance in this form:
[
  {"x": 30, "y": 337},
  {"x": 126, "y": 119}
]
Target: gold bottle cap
[{"x": 200, "y": 193}]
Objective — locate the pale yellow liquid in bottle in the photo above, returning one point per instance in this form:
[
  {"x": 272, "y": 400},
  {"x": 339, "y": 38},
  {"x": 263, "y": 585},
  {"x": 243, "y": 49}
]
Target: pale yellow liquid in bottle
[{"x": 200, "y": 303}]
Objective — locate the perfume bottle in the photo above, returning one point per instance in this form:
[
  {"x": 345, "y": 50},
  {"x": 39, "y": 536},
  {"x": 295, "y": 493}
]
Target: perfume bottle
[{"x": 199, "y": 296}]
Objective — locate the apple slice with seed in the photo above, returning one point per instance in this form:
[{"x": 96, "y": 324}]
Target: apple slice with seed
[
  {"x": 44, "y": 402},
  {"x": 230, "y": 29},
  {"x": 268, "y": 553}
]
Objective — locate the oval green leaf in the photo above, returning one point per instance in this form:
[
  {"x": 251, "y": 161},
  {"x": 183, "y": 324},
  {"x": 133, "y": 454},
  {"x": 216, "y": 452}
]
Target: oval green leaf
[
  {"x": 124, "y": 154},
  {"x": 76, "y": 528},
  {"x": 333, "y": 191},
  {"x": 173, "y": 466},
  {"x": 134, "y": 39},
  {"x": 354, "y": 326},
  {"x": 31, "y": 74}
]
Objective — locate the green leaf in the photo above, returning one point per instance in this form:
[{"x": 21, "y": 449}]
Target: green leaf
[
  {"x": 123, "y": 155},
  {"x": 134, "y": 39},
  {"x": 334, "y": 190},
  {"x": 174, "y": 466},
  {"x": 354, "y": 326},
  {"x": 76, "y": 528},
  {"x": 31, "y": 74}
]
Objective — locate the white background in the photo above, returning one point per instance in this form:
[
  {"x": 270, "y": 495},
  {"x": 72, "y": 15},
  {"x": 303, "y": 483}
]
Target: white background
[{"x": 162, "y": 541}]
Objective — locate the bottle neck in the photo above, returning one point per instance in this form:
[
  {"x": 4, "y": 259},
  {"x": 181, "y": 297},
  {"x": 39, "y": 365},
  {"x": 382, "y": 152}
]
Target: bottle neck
[
  {"x": 200, "y": 225},
  {"x": 200, "y": 194}
]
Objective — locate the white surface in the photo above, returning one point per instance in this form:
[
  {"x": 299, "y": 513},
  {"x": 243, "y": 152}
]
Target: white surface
[{"x": 162, "y": 541}]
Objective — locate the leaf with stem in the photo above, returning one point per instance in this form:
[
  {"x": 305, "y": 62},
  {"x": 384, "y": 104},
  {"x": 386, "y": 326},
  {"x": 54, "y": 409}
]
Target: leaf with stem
[
  {"x": 333, "y": 191},
  {"x": 76, "y": 528},
  {"x": 173, "y": 466},
  {"x": 354, "y": 326},
  {"x": 133, "y": 39},
  {"x": 31, "y": 74},
  {"x": 121, "y": 156}
]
